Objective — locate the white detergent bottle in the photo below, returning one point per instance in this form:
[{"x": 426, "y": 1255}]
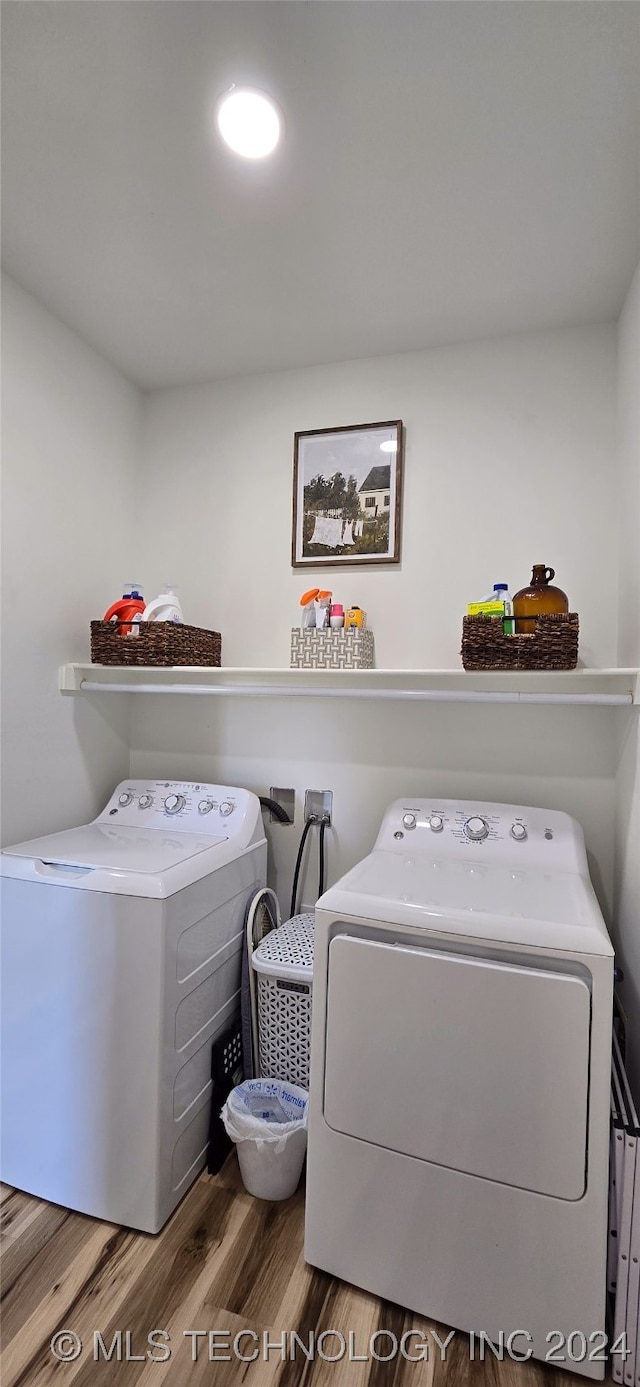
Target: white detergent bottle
[
  {"x": 164, "y": 607},
  {"x": 501, "y": 594}
]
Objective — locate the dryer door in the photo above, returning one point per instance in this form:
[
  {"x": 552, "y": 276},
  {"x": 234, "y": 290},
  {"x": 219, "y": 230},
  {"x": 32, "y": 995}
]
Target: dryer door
[{"x": 466, "y": 1062}]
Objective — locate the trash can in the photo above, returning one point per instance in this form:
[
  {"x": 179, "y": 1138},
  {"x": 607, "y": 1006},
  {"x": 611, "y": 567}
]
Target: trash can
[{"x": 267, "y": 1121}]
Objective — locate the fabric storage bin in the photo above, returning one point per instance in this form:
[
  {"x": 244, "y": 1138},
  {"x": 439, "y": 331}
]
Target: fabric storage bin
[
  {"x": 157, "y": 643},
  {"x": 342, "y": 649},
  {"x": 553, "y": 644}
]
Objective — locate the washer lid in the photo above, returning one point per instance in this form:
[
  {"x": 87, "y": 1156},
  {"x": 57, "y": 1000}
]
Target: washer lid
[
  {"x": 99, "y": 845},
  {"x": 474, "y": 899}
]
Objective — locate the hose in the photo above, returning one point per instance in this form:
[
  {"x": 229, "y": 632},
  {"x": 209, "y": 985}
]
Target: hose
[
  {"x": 323, "y": 829},
  {"x": 303, "y": 838},
  {"x": 276, "y": 809}
]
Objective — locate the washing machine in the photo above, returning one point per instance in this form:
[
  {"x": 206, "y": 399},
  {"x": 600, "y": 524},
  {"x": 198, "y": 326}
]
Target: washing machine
[
  {"x": 460, "y": 1071},
  {"x": 120, "y": 951}
]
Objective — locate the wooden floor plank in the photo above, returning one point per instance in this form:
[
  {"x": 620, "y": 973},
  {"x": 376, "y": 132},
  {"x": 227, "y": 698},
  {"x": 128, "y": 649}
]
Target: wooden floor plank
[
  {"x": 8, "y": 1192},
  {"x": 29, "y": 1235},
  {"x": 16, "y": 1211},
  {"x": 49, "y": 1291},
  {"x": 254, "y": 1275}
]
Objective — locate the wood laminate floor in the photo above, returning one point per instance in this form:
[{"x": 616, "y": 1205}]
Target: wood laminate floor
[{"x": 224, "y": 1262}]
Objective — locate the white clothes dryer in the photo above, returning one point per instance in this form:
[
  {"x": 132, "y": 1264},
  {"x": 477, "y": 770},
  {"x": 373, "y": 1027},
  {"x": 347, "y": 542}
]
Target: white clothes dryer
[
  {"x": 460, "y": 1071},
  {"x": 120, "y": 949}
]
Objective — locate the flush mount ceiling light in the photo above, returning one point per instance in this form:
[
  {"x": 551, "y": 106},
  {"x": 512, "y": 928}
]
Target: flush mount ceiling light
[
  {"x": 248, "y": 122},
  {"x": 389, "y": 447}
]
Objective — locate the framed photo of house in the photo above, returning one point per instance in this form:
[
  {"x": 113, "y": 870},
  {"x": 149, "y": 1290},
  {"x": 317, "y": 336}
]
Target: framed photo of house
[{"x": 347, "y": 494}]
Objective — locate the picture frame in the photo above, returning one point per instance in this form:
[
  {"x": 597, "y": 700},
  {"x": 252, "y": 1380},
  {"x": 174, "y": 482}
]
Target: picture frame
[{"x": 347, "y": 495}]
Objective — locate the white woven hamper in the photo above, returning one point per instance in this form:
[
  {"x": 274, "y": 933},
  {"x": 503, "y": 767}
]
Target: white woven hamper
[{"x": 283, "y": 963}]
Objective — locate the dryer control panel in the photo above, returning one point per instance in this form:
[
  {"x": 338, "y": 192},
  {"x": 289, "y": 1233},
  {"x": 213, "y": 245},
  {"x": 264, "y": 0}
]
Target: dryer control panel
[
  {"x": 184, "y": 805},
  {"x": 499, "y": 833}
]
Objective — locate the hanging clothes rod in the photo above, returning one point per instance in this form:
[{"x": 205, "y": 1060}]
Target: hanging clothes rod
[{"x": 413, "y": 695}]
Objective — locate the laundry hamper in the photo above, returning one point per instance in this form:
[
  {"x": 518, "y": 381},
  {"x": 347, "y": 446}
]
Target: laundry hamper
[{"x": 283, "y": 964}]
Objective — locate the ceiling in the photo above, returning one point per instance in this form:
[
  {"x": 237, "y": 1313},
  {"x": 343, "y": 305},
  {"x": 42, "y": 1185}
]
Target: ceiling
[{"x": 451, "y": 170}]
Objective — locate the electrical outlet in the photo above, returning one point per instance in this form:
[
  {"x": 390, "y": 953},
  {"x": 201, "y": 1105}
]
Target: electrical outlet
[
  {"x": 287, "y": 801},
  {"x": 318, "y": 804}
]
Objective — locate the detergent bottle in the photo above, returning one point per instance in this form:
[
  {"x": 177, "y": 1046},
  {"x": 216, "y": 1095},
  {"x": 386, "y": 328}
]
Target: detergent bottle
[
  {"x": 164, "y": 607},
  {"x": 129, "y": 608}
]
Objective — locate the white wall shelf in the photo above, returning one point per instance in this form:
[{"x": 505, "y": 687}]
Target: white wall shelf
[{"x": 608, "y": 687}]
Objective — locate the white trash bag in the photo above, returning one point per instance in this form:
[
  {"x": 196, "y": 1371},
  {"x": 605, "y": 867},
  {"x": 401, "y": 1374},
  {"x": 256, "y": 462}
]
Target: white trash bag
[{"x": 267, "y": 1120}]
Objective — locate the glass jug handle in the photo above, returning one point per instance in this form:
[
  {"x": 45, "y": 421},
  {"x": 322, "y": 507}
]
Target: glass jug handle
[{"x": 549, "y": 574}]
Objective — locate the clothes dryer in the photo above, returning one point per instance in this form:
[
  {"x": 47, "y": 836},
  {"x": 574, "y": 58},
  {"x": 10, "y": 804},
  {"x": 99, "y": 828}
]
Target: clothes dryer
[
  {"x": 461, "y": 1054},
  {"x": 120, "y": 949}
]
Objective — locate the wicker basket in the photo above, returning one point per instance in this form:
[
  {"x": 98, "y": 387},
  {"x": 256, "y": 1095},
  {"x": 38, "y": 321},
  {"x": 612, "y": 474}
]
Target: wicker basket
[
  {"x": 157, "y": 643},
  {"x": 553, "y": 644}
]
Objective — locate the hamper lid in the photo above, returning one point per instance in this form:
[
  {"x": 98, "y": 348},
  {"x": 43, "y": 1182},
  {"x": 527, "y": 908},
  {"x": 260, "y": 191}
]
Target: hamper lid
[{"x": 287, "y": 952}]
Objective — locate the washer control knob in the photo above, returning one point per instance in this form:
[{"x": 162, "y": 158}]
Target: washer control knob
[
  {"x": 519, "y": 832},
  {"x": 174, "y": 803},
  {"x": 476, "y": 829},
  {"x": 226, "y": 808},
  {"x": 409, "y": 820},
  {"x": 145, "y": 801},
  {"x": 436, "y": 823},
  {"x": 205, "y": 806},
  {"x": 125, "y": 798}
]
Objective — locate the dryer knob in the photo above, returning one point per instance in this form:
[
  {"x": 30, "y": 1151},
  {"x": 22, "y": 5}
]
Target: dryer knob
[
  {"x": 125, "y": 799},
  {"x": 174, "y": 803},
  {"x": 476, "y": 829},
  {"x": 409, "y": 820},
  {"x": 226, "y": 808},
  {"x": 519, "y": 832},
  {"x": 436, "y": 823}
]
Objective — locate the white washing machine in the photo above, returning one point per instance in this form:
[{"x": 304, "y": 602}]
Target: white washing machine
[
  {"x": 460, "y": 1070},
  {"x": 120, "y": 948}
]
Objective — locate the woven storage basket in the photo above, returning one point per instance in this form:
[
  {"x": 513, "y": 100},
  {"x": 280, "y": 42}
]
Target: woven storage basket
[
  {"x": 553, "y": 644},
  {"x": 157, "y": 643},
  {"x": 344, "y": 649}
]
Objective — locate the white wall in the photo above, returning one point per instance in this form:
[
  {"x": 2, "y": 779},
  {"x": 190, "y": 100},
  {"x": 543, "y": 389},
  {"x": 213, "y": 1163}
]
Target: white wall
[
  {"x": 510, "y": 455},
  {"x": 509, "y": 462},
  {"x": 70, "y": 430},
  {"x": 629, "y": 476},
  {"x": 627, "y": 856}
]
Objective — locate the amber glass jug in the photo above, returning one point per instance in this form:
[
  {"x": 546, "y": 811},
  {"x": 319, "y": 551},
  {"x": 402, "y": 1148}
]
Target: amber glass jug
[{"x": 539, "y": 599}]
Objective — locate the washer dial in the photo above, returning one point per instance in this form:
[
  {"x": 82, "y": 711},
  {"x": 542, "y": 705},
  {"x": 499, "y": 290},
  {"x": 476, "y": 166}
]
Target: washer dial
[
  {"x": 145, "y": 801},
  {"x": 226, "y": 808},
  {"x": 409, "y": 820},
  {"x": 125, "y": 798},
  {"x": 174, "y": 803},
  {"x": 436, "y": 823},
  {"x": 476, "y": 828},
  {"x": 519, "y": 832},
  {"x": 205, "y": 806}
]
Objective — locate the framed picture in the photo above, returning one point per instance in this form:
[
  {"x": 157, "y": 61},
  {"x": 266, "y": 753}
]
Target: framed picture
[{"x": 347, "y": 493}]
